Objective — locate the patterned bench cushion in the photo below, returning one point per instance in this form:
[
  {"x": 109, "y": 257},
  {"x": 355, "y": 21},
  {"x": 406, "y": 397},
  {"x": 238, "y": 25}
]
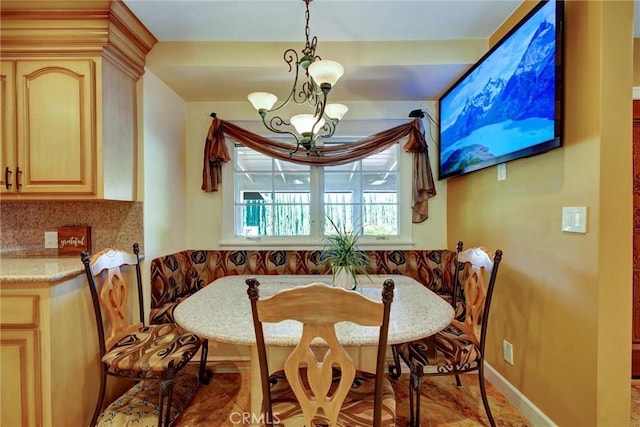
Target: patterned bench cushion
[{"x": 177, "y": 276}]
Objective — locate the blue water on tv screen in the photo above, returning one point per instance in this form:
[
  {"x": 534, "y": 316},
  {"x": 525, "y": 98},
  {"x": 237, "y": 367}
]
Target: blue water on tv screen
[{"x": 505, "y": 106}]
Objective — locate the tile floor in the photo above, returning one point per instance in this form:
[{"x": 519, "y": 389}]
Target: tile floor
[
  {"x": 635, "y": 403},
  {"x": 221, "y": 402}
]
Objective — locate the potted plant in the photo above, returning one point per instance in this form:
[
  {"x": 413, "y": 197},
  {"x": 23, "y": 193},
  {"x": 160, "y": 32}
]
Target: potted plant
[{"x": 347, "y": 260}]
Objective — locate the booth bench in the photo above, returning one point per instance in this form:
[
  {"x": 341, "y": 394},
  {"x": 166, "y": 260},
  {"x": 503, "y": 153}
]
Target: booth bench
[{"x": 175, "y": 277}]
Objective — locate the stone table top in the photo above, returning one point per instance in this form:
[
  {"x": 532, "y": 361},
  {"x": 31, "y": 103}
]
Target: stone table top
[{"x": 221, "y": 311}]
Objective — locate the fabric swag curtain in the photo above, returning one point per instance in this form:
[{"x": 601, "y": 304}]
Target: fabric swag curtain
[{"x": 216, "y": 154}]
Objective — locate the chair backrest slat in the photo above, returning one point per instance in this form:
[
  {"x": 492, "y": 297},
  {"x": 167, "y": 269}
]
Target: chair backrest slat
[
  {"x": 110, "y": 292},
  {"x": 319, "y": 307},
  {"x": 477, "y": 290},
  {"x": 302, "y": 303}
]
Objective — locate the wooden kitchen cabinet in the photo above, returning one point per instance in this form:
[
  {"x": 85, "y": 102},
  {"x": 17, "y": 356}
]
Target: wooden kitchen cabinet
[
  {"x": 69, "y": 109},
  {"x": 51, "y": 142},
  {"x": 49, "y": 351},
  {"x": 20, "y": 394}
]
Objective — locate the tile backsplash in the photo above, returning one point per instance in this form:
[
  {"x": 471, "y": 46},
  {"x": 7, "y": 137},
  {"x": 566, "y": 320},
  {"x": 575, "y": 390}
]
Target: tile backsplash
[{"x": 113, "y": 224}]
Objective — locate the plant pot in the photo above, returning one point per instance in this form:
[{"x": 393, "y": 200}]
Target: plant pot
[{"x": 342, "y": 278}]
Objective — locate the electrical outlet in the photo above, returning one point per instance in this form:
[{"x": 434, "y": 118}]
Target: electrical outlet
[
  {"x": 51, "y": 239},
  {"x": 507, "y": 351}
]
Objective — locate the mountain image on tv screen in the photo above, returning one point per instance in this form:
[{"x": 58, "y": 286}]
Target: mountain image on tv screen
[{"x": 507, "y": 103}]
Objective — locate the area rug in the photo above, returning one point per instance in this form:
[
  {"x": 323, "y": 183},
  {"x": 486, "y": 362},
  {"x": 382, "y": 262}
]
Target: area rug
[{"x": 225, "y": 401}]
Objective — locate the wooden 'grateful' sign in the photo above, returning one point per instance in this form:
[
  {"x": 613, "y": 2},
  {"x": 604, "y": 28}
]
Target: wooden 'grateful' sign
[{"x": 74, "y": 240}]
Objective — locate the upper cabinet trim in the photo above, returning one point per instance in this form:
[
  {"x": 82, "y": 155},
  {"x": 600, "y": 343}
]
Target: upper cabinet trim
[{"x": 75, "y": 28}]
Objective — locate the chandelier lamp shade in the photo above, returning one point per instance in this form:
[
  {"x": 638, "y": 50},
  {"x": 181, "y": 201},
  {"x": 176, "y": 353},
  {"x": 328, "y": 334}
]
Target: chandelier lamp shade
[{"x": 313, "y": 80}]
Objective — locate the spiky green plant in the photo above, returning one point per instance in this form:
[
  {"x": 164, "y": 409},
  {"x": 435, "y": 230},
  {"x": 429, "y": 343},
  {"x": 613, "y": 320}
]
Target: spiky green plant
[{"x": 341, "y": 250}]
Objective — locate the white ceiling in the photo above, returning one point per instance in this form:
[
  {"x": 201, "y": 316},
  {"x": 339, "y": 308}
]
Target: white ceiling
[
  {"x": 433, "y": 22},
  {"x": 330, "y": 20}
]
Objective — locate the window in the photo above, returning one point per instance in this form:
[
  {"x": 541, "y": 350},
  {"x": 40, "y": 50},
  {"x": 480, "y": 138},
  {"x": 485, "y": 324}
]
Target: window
[{"x": 280, "y": 202}]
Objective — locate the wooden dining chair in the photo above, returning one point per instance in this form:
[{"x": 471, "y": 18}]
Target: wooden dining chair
[
  {"x": 320, "y": 384},
  {"x": 460, "y": 347},
  {"x": 154, "y": 354}
]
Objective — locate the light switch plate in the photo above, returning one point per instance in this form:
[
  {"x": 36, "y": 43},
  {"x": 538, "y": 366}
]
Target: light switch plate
[
  {"x": 574, "y": 219},
  {"x": 502, "y": 171}
]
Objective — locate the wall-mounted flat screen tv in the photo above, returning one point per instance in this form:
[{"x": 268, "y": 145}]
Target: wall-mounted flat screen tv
[{"x": 509, "y": 104}]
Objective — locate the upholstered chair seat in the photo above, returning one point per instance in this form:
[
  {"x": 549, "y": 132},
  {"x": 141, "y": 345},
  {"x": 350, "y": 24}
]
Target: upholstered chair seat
[
  {"x": 455, "y": 348},
  {"x": 152, "y": 351},
  {"x": 138, "y": 407}
]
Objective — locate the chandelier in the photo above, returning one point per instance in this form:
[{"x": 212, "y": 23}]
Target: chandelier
[{"x": 314, "y": 78}]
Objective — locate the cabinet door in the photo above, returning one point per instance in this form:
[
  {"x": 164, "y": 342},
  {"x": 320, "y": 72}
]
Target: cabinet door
[
  {"x": 7, "y": 127},
  {"x": 20, "y": 396},
  {"x": 56, "y": 126}
]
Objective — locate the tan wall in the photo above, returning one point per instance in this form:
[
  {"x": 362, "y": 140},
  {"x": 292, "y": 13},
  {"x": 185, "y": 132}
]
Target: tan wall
[
  {"x": 164, "y": 158},
  {"x": 563, "y": 299},
  {"x": 636, "y": 62}
]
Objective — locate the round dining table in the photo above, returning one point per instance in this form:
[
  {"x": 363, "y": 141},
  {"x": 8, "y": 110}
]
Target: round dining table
[{"x": 221, "y": 311}]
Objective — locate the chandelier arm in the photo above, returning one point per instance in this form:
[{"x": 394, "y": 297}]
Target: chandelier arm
[
  {"x": 310, "y": 93},
  {"x": 290, "y": 56},
  {"x": 329, "y": 127},
  {"x": 274, "y": 125},
  {"x": 319, "y": 114}
]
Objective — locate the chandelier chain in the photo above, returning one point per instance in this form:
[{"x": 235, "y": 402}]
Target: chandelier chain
[{"x": 309, "y": 49}]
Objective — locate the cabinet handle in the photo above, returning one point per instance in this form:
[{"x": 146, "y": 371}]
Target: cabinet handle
[
  {"x": 7, "y": 178},
  {"x": 18, "y": 175}
]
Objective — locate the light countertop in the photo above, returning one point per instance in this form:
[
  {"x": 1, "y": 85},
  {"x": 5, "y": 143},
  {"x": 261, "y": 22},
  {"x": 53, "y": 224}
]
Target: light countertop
[{"x": 35, "y": 269}]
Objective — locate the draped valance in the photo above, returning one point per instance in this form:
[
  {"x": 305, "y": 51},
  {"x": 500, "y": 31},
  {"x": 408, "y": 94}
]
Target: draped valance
[{"x": 216, "y": 154}]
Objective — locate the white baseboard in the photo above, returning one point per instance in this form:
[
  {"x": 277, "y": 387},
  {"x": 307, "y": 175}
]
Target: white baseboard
[{"x": 517, "y": 399}]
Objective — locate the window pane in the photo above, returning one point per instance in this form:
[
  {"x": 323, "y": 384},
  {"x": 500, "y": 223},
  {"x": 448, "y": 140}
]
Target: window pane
[
  {"x": 380, "y": 214},
  {"x": 383, "y": 161},
  {"x": 363, "y": 195},
  {"x": 271, "y": 196},
  {"x": 291, "y": 218},
  {"x": 291, "y": 182},
  {"x": 253, "y": 182},
  {"x": 381, "y": 181},
  {"x": 342, "y": 182},
  {"x": 250, "y": 160},
  {"x": 341, "y": 214}
]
